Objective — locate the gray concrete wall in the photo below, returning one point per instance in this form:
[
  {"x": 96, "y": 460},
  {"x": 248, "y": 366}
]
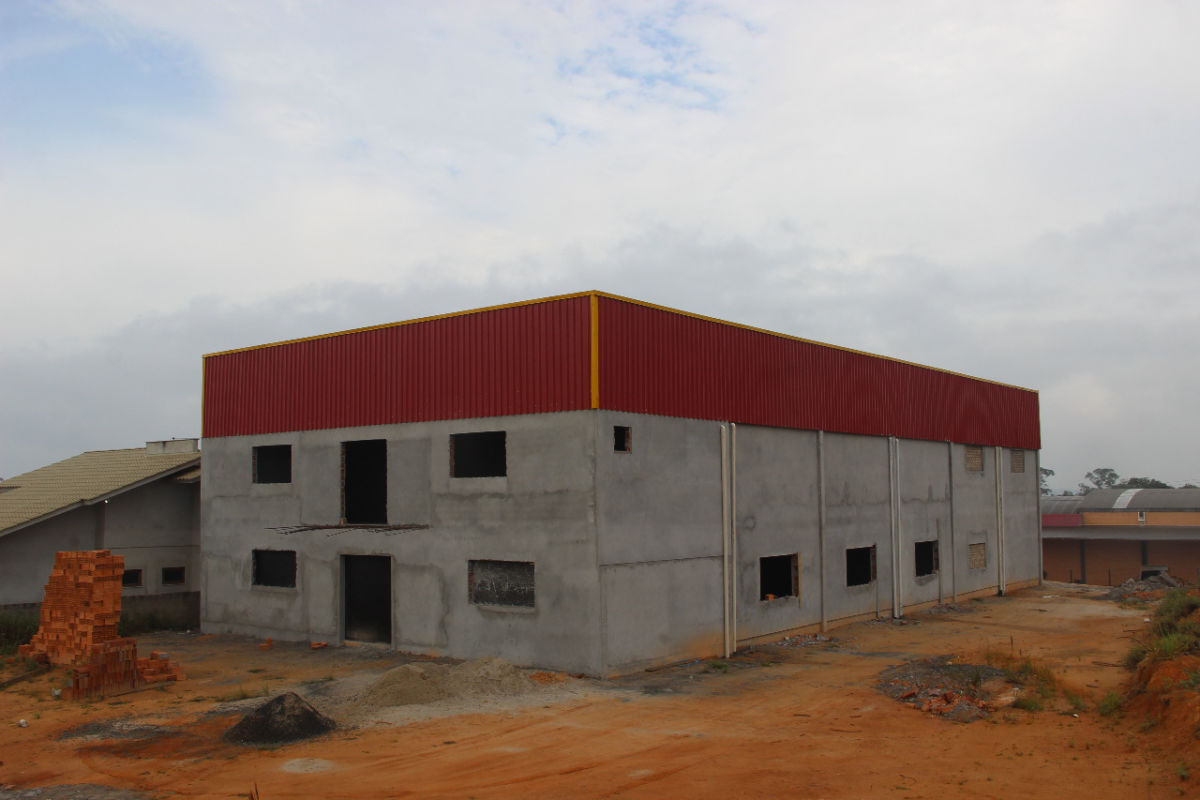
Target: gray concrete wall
[
  {"x": 152, "y": 527},
  {"x": 1021, "y": 520},
  {"x": 658, "y": 514},
  {"x": 974, "y": 520},
  {"x": 923, "y": 477},
  {"x": 27, "y": 555},
  {"x": 541, "y": 511}
]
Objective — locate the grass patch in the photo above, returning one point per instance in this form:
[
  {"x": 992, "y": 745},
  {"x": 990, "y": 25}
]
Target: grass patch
[
  {"x": 16, "y": 628},
  {"x": 1109, "y": 704},
  {"x": 1172, "y": 631},
  {"x": 1027, "y": 703}
]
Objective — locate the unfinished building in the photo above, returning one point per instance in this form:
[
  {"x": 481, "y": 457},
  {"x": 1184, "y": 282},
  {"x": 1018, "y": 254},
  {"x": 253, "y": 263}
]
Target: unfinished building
[{"x": 595, "y": 484}]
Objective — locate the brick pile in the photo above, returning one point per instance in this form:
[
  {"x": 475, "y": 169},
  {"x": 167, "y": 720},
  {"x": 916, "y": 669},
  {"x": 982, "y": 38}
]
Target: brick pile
[{"x": 78, "y": 628}]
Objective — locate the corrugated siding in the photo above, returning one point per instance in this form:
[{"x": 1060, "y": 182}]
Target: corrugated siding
[
  {"x": 1062, "y": 520},
  {"x": 656, "y": 362},
  {"x": 516, "y": 360}
]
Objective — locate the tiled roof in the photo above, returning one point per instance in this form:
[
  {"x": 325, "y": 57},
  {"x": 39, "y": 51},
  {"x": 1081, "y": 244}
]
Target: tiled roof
[{"x": 84, "y": 479}]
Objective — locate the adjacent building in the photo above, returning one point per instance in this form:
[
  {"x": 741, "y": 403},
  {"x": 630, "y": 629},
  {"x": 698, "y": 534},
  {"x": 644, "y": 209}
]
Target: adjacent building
[
  {"x": 596, "y": 484},
  {"x": 1110, "y": 535},
  {"x": 140, "y": 503}
]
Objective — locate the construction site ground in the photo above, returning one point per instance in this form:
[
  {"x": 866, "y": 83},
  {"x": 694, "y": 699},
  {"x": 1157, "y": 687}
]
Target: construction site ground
[{"x": 805, "y": 718}]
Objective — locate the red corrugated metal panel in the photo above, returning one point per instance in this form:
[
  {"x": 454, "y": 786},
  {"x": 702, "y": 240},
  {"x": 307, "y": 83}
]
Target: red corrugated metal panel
[
  {"x": 1062, "y": 520},
  {"x": 654, "y": 361},
  {"x": 515, "y": 360}
]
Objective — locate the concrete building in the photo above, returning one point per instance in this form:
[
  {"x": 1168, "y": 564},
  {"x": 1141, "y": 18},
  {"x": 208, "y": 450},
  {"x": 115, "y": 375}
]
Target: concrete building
[
  {"x": 595, "y": 484},
  {"x": 141, "y": 503},
  {"x": 1110, "y": 535}
]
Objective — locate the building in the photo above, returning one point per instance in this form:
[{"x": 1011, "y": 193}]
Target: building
[
  {"x": 596, "y": 484},
  {"x": 1110, "y": 535},
  {"x": 141, "y": 503}
]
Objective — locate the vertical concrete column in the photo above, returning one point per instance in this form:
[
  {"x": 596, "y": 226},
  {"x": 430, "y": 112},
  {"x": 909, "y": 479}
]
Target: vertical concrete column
[
  {"x": 725, "y": 537},
  {"x": 998, "y": 460},
  {"x": 1037, "y": 467},
  {"x": 894, "y": 513},
  {"x": 953, "y": 542}
]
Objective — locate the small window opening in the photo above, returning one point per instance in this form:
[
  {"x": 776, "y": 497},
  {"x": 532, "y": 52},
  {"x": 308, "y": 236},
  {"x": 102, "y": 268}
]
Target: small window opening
[
  {"x": 500, "y": 583},
  {"x": 974, "y": 458},
  {"x": 778, "y": 576},
  {"x": 977, "y": 555},
  {"x": 860, "y": 566},
  {"x": 1016, "y": 460},
  {"x": 364, "y": 482},
  {"x": 926, "y": 558},
  {"x": 478, "y": 455},
  {"x": 273, "y": 463},
  {"x": 622, "y": 439},
  {"x": 172, "y": 576},
  {"x": 275, "y": 568},
  {"x": 131, "y": 577}
]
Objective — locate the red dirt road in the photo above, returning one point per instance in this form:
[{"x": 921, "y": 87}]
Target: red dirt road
[{"x": 777, "y": 721}]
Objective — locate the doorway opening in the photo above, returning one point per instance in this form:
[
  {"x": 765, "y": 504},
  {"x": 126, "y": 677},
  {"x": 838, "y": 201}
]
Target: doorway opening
[{"x": 367, "y": 600}]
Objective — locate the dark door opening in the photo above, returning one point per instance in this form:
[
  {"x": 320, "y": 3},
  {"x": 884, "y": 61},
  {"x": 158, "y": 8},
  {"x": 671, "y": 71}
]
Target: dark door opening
[
  {"x": 364, "y": 482},
  {"x": 367, "y": 581}
]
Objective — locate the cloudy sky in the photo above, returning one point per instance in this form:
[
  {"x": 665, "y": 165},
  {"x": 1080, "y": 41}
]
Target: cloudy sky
[{"x": 1010, "y": 190}]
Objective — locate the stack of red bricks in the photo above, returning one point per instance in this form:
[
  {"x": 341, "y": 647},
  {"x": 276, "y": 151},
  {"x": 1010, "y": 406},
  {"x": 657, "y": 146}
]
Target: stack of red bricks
[{"x": 80, "y": 612}]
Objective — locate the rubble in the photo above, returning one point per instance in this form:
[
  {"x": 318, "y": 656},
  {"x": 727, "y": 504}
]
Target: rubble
[
  {"x": 939, "y": 686},
  {"x": 286, "y": 718},
  {"x": 1149, "y": 588}
]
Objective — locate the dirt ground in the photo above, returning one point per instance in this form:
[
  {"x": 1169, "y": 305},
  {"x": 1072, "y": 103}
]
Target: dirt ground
[{"x": 805, "y": 718}]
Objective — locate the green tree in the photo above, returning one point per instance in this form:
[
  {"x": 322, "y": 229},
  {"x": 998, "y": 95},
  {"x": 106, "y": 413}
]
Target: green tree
[
  {"x": 1043, "y": 476},
  {"x": 1143, "y": 483},
  {"x": 1101, "y": 478}
]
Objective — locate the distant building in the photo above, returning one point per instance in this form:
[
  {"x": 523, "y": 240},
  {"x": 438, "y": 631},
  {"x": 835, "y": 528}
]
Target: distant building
[
  {"x": 597, "y": 484},
  {"x": 141, "y": 503},
  {"x": 1110, "y": 535}
]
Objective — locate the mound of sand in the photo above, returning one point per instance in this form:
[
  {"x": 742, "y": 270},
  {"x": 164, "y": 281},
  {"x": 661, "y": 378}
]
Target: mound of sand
[
  {"x": 424, "y": 682},
  {"x": 286, "y": 718}
]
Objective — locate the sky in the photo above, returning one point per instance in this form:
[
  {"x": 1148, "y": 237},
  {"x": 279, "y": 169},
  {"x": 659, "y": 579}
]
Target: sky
[{"x": 1008, "y": 190}]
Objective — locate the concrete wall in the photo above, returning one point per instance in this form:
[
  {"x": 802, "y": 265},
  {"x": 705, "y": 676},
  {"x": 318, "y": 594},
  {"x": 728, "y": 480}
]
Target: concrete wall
[
  {"x": 27, "y": 555},
  {"x": 541, "y": 511}
]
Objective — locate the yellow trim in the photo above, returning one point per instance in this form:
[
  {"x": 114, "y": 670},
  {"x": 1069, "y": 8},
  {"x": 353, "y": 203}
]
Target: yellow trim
[
  {"x": 806, "y": 341},
  {"x": 595, "y": 358},
  {"x": 594, "y": 311},
  {"x": 402, "y": 323}
]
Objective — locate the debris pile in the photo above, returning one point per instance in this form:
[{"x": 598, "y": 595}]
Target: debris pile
[
  {"x": 78, "y": 628},
  {"x": 939, "y": 686},
  {"x": 807, "y": 640},
  {"x": 286, "y": 718},
  {"x": 1151, "y": 587},
  {"x": 427, "y": 682}
]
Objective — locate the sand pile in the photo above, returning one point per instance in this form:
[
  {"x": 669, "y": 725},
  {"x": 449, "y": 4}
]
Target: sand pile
[
  {"x": 286, "y": 718},
  {"x": 425, "y": 682}
]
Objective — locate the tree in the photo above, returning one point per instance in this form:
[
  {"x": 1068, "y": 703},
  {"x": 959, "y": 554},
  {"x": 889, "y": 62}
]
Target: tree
[
  {"x": 1044, "y": 475},
  {"x": 1143, "y": 483},
  {"x": 1101, "y": 478}
]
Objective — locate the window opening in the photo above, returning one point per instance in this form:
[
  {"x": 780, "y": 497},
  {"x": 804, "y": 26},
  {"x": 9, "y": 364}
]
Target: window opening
[
  {"x": 622, "y": 439},
  {"x": 926, "y": 558},
  {"x": 1016, "y": 460},
  {"x": 368, "y": 598},
  {"x": 500, "y": 583},
  {"x": 778, "y": 576},
  {"x": 860, "y": 565},
  {"x": 172, "y": 576},
  {"x": 364, "y": 482},
  {"x": 273, "y": 463},
  {"x": 131, "y": 577},
  {"x": 974, "y": 458},
  {"x": 274, "y": 568},
  {"x": 977, "y": 555},
  {"x": 478, "y": 455}
]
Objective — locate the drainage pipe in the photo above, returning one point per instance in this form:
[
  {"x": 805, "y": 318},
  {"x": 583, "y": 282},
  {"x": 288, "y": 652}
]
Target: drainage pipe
[
  {"x": 894, "y": 493},
  {"x": 733, "y": 539},
  {"x": 725, "y": 534},
  {"x": 821, "y": 526},
  {"x": 953, "y": 543},
  {"x": 999, "y": 519}
]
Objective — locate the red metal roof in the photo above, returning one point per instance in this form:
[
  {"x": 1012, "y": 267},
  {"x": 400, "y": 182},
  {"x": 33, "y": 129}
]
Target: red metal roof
[{"x": 594, "y": 350}]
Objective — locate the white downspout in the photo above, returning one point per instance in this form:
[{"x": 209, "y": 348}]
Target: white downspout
[
  {"x": 999, "y": 519},
  {"x": 894, "y": 491},
  {"x": 733, "y": 542},
  {"x": 821, "y": 525},
  {"x": 725, "y": 533}
]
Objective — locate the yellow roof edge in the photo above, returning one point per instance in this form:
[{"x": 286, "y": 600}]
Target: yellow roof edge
[
  {"x": 465, "y": 313},
  {"x": 623, "y": 299}
]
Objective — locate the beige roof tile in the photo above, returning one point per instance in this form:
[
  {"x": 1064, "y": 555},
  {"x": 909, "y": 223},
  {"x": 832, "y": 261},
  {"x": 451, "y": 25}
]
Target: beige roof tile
[{"x": 85, "y": 478}]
